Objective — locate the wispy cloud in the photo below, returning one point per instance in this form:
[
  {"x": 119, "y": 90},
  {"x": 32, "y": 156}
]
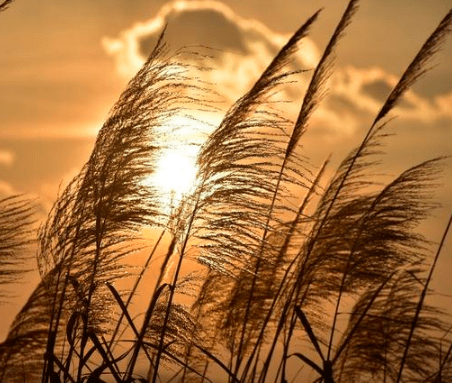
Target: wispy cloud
[
  {"x": 6, "y": 157},
  {"x": 6, "y": 189}
]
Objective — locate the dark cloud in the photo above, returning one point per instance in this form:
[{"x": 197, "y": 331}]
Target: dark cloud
[
  {"x": 242, "y": 48},
  {"x": 343, "y": 105},
  {"x": 208, "y": 27},
  {"x": 245, "y": 49},
  {"x": 379, "y": 89}
]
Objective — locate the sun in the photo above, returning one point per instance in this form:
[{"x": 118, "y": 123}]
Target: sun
[{"x": 175, "y": 169}]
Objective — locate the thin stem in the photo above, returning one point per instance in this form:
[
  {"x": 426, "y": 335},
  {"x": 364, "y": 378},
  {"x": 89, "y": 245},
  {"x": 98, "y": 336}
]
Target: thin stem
[
  {"x": 421, "y": 300},
  {"x": 173, "y": 287},
  {"x": 135, "y": 286}
]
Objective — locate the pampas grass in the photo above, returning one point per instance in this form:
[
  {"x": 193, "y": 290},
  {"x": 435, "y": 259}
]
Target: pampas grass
[
  {"x": 16, "y": 238},
  {"x": 272, "y": 279}
]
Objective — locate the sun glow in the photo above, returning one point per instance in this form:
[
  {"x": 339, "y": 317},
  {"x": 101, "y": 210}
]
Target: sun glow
[{"x": 175, "y": 169}]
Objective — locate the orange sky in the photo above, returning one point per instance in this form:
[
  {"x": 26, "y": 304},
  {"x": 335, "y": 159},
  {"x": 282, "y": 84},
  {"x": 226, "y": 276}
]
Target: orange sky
[
  {"x": 58, "y": 80},
  {"x": 63, "y": 65}
]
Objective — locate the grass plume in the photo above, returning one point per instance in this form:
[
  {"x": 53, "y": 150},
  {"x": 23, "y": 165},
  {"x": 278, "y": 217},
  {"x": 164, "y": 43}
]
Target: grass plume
[{"x": 272, "y": 279}]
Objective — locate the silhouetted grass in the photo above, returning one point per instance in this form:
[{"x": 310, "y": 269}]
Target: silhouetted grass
[
  {"x": 5, "y": 4},
  {"x": 16, "y": 236},
  {"x": 275, "y": 279}
]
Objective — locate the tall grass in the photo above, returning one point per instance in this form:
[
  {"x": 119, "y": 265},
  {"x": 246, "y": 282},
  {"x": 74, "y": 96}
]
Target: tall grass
[
  {"x": 336, "y": 286},
  {"x": 16, "y": 236}
]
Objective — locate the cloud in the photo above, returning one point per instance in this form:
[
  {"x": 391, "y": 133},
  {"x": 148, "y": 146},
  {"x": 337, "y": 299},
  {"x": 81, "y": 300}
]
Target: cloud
[
  {"x": 6, "y": 189},
  {"x": 368, "y": 88},
  {"x": 243, "y": 48},
  {"x": 6, "y": 157}
]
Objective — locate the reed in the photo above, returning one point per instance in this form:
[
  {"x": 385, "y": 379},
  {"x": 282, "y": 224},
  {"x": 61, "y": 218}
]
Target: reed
[{"x": 274, "y": 278}]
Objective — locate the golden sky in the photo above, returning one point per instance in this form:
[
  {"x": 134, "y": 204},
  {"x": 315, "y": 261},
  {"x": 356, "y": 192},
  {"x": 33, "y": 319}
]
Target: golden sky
[{"x": 63, "y": 64}]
